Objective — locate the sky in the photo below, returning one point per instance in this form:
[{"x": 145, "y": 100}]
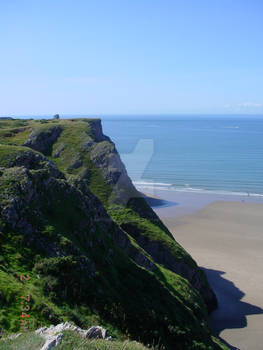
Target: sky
[{"x": 131, "y": 57}]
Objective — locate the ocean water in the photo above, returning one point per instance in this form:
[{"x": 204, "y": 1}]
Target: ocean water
[{"x": 209, "y": 154}]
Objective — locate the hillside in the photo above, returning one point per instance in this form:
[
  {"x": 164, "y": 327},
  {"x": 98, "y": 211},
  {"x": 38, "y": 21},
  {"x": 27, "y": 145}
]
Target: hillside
[{"x": 94, "y": 250}]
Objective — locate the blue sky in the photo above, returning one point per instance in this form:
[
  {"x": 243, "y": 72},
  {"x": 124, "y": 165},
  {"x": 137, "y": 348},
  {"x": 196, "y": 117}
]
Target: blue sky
[{"x": 131, "y": 56}]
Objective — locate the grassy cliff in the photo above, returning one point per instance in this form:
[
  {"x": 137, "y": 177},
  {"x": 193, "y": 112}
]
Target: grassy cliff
[{"x": 94, "y": 250}]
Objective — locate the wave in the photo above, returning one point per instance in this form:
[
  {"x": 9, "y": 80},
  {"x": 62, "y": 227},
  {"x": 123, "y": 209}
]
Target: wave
[
  {"x": 154, "y": 184},
  {"x": 171, "y": 187}
]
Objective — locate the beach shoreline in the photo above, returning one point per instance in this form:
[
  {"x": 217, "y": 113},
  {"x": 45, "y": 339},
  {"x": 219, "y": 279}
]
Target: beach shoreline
[
  {"x": 225, "y": 237},
  {"x": 177, "y": 204}
]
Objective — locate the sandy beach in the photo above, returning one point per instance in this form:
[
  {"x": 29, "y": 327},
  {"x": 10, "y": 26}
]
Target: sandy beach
[{"x": 226, "y": 239}]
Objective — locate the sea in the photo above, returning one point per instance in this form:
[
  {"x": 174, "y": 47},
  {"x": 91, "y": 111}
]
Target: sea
[{"x": 196, "y": 154}]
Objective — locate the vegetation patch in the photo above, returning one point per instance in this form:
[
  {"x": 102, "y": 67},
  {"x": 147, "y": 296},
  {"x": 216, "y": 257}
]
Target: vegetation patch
[{"x": 58, "y": 226}]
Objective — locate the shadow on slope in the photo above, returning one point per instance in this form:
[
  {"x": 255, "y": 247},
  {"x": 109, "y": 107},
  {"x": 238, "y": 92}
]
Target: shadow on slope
[
  {"x": 231, "y": 312},
  {"x": 158, "y": 202}
]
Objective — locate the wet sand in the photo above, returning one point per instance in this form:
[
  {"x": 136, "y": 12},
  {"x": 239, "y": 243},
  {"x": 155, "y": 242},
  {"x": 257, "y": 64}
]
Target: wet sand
[{"x": 226, "y": 239}]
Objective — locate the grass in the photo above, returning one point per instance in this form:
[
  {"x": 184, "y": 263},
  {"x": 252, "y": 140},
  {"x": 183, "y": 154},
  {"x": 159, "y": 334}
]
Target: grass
[
  {"x": 91, "y": 280},
  {"x": 15, "y": 136},
  {"x": 149, "y": 230},
  {"x": 70, "y": 341},
  {"x": 8, "y": 153},
  {"x": 27, "y": 341}
]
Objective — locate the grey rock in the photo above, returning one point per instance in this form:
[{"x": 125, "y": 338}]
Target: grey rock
[
  {"x": 162, "y": 255},
  {"x": 36, "y": 161},
  {"x": 96, "y": 130},
  {"x": 85, "y": 174},
  {"x": 76, "y": 162},
  {"x": 57, "y": 152},
  {"x": 105, "y": 157},
  {"x": 12, "y": 336},
  {"x": 123, "y": 241},
  {"x": 52, "y": 341},
  {"x": 43, "y": 140},
  {"x": 96, "y": 332},
  {"x": 53, "y": 335},
  {"x": 86, "y": 145}
]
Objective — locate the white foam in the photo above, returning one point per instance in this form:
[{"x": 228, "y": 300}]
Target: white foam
[
  {"x": 154, "y": 184},
  {"x": 140, "y": 185}
]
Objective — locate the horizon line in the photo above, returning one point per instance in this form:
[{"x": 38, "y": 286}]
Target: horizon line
[{"x": 130, "y": 114}]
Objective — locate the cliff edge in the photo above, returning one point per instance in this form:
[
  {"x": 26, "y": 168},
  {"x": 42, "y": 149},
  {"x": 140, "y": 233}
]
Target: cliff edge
[{"x": 71, "y": 219}]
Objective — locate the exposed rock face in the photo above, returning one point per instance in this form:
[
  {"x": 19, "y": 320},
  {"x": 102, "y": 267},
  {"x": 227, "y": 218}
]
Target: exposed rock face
[
  {"x": 86, "y": 145},
  {"x": 96, "y": 130},
  {"x": 43, "y": 140},
  {"x": 162, "y": 255},
  {"x": 96, "y": 332},
  {"x": 53, "y": 334},
  {"x": 57, "y": 152},
  {"x": 104, "y": 259},
  {"x": 76, "y": 162},
  {"x": 40, "y": 180},
  {"x": 36, "y": 161},
  {"x": 105, "y": 156}
]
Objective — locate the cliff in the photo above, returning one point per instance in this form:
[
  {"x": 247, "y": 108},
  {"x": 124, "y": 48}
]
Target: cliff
[{"x": 94, "y": 250}]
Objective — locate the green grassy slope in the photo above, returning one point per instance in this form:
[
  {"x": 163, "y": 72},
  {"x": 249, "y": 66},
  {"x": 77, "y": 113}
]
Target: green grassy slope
[
  {"x": 70, "y": 341},
  {"x": 83, "y": 151},
  {"x": 83, "y": 267}
]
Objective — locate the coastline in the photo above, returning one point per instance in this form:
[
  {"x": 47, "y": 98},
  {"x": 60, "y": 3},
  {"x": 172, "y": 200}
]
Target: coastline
[
  {"x": 224, "y": 235},
  {"x": 172, "y": 204}
]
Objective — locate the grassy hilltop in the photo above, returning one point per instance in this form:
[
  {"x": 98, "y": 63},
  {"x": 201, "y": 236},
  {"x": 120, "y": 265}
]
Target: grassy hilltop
[{"x": 95, "y": 252}]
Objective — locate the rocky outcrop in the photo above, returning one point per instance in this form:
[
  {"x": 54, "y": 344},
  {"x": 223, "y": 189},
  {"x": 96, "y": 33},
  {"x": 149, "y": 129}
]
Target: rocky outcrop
[
  {"x": 76, "y": 162},
  {"x": 57, "y": 152},
  {"x": 90, "y": 259},
  {"x": 43, "y": 140},
  {"x": 118, "y": 235},
  {"x": 96, "y": 332},
  {"x": 105, "y": 156},
  {"x": 53, "y": 335},
  {"x": 162, "y": 255},
  {"x": 36, "y": 185},
  {"x": 35, "y": 161},
  {"x": 96, "y": 131}
]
